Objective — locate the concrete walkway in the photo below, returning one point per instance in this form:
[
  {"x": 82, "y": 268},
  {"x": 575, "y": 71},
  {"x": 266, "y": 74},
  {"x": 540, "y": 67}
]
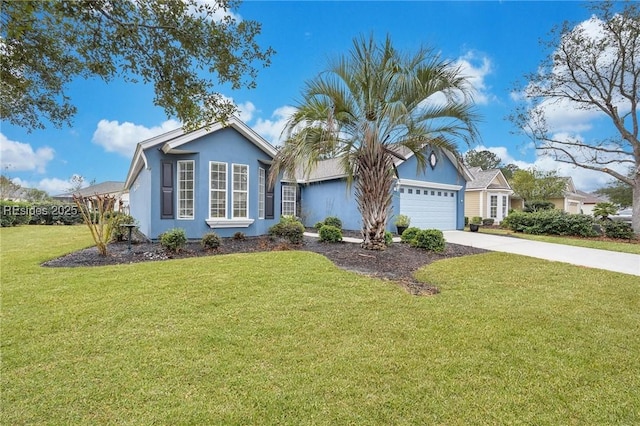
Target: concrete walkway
[{"x": 591, "y": 258}]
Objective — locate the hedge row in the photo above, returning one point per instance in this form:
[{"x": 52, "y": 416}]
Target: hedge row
[{"x": 556, "y": 222}]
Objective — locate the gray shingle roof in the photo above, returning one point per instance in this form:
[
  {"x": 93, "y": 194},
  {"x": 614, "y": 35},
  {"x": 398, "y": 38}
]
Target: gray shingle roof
[{"x": 483, "y": 179}]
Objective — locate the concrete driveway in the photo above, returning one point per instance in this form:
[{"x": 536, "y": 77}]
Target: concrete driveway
[{"x": 592, "y": 258}]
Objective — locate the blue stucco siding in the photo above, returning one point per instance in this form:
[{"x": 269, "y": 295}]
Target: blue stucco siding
[
  {"x": 225, "y": 146},
  {"x": 140, "y": 200},
  {"x": 333, "y": 198},
  {"x": 330, "y": 198}
]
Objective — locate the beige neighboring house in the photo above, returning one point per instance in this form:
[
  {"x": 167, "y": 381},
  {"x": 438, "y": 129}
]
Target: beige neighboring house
[
  {"x": 487, "y": 195},
  {"x": 111, "y": 188},
  {"x": 590, "y": 200},
  {"x": 570, "y": 202}
]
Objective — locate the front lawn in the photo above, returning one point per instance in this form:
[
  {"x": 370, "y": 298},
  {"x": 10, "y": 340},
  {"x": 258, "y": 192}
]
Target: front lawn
[{"x": 288, "y": 338}]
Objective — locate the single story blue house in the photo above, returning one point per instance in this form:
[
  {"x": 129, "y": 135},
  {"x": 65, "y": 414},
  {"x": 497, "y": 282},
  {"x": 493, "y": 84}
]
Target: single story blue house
[{"x": 216, "y": 179}]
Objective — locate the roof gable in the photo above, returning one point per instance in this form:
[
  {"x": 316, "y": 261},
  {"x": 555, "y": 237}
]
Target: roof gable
[
  {"x": 171, "y": 142},
  {"x": 487, "y": 179},
  {"x": 332, "y": 168}
]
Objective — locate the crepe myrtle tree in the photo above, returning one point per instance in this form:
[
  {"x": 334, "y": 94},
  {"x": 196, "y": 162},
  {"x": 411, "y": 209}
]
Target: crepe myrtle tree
[
  {"x": 182, "y": 47},
  {"x": 368, "y": 108},
  {"x": 594, "y": 69}
]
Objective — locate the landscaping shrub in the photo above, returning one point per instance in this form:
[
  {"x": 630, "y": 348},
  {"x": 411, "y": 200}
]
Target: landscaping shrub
[
  {"x": 429, "y": 239},
  {"x": 330, "y": 234},
  {"x": 409, "y": 234},
  {"x": 210, "y": 241},
  {"x": 488, "y": 221},
  {"x": 466, "y": 221},
  {"x": 617, "y": 229},
  {"x": 174, "y": 239},
  {"x": 239, "y": 236},
  {"x": 551, "y": 222},
  {"x": 116, "y": 220},
  {"x": 333, "y": 221},
  {"x": 388, "y": 238},
  {"x": 14, "y": 213},
  {"x": 318, "y": 225},
  {"x": 289, "y": 228},
  {"x": 536, "y": 206}
]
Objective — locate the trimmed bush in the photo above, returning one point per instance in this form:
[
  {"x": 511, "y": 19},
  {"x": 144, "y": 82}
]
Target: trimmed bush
[
  {"x": 617, "y": 229},
  {"x": 174, "y": 239},
  {"x": 536, "y": 206},
  {"x": 118, "y": 232},
  {"x": 330, "y": 234},
  {"x": 551, "y": 222},
  {"x": 388, "y": 238},
  {"x": 210, "y": 241},
  {"x": 409, "y": 234},
  {"x": 488, "y": 221},
  {"x": 288, "y": 228},
  {"x": 239, "y": 236},
  {"x": 429, "y": 239},
  {"x": 14, "y": 213},
  {"x": 333, "y": 221},
  {"x": 318, "y": 225}
]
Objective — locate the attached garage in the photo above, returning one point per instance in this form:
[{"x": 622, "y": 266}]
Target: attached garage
[{"x": 430, "y": 207}]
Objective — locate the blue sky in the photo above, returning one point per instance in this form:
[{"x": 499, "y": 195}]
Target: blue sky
[{"x": 495, "y": 43}]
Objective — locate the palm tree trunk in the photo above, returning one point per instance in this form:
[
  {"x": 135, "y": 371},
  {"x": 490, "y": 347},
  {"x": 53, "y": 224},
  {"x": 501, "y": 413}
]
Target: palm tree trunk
[{"x": 374, "y": 182}]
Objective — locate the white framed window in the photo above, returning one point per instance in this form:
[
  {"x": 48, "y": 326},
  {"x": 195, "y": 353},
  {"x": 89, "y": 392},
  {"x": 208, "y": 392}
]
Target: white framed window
[
  {"x": 493, "y": 206},
  {"x": 288, "y": 200},
  {"x": 262, "y": 190},
  {"x": 240, "y": 191},
  {"x": 186, "y": 169},
  {"x": 217, "y": 190},
  {"x": 505, "y": 202}
]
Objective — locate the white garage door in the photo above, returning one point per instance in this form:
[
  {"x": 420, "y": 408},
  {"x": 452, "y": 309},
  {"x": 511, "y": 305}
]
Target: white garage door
[{"x": 429, "y": 208}]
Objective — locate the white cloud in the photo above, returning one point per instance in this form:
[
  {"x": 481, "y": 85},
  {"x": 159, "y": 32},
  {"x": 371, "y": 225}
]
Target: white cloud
[
  {"x": 18, "y": 156},
  {"x": 122, "y": 138},
  {"x": 246, "y": 111},
  {"x": 271, "y": 130},
  {"x": 53, "y": 186},
  {"x": 476, "y": 67}
]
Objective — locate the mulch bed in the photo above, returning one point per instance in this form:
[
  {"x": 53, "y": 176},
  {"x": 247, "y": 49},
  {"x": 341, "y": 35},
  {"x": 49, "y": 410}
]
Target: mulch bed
[{"x": 397, "y": 263}]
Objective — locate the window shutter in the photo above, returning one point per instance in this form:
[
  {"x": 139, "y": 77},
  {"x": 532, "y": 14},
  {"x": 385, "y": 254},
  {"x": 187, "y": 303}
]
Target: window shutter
[
  {"x": 166, "y": 191},
  {"x": 268, "y": 198}
]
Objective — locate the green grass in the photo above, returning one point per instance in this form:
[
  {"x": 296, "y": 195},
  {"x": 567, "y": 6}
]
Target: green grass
[
  {"x": 288, "y": 338},
  {"x": 619, "y": 246}
]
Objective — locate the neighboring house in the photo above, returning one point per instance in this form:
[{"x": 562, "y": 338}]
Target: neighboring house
[
  {"x": 590, "y": 201},
  {"x": 570, "y": 201},
  {"x": 487, "y": 195},
  {"x": 111, "y": 188},
  {"x": 432, "y": 198},
  {"x": 215, "y": 179}
]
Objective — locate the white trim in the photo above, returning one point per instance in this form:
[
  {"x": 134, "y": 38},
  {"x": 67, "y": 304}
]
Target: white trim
[
  {"x": 262, "y": 192},
  {"x": 228, "y": 223},
  {"x": 233, "y": 190},
  {"x": 425, "y": 184},
  {"x": 226, "y": 183},
  {"x": 193, "y": 189}
]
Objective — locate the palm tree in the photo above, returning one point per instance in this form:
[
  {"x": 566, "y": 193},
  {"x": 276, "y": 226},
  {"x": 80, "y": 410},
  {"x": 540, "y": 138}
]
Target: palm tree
[{"x": 368, "y": 109}]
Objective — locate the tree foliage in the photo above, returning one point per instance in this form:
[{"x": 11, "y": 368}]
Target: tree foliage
[
  {"x": 537, "y": 185},
  {"x": 594, "y": 68},
  {"x": 371, "y": 107},
  {"x": 618, "y": 192},
  {"x": 484, "y": 159},
  {"x": 178, "y": 46}
]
